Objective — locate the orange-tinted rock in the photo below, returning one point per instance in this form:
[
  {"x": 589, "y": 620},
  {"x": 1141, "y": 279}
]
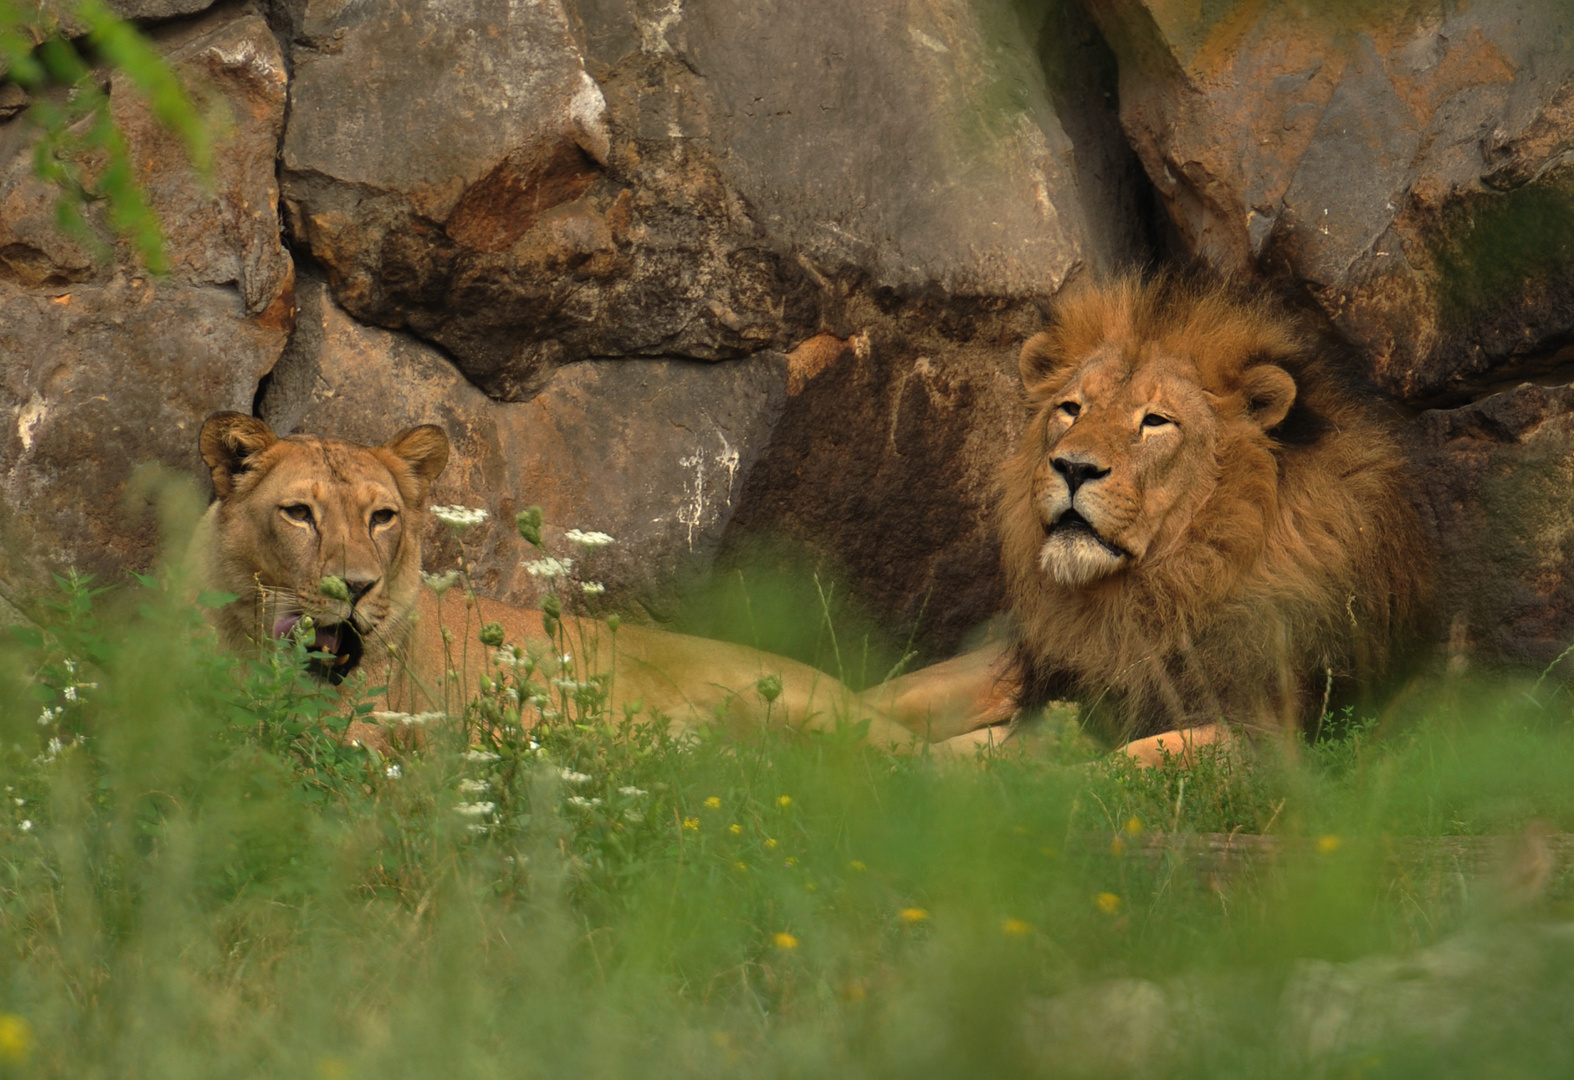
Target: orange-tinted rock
[{"x": 1405, "y": 163}]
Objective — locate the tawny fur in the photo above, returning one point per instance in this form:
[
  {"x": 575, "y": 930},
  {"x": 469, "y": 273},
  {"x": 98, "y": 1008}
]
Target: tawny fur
[
  {"x": 367, "y": 510},
  {"x": 1283, "y": 552}
]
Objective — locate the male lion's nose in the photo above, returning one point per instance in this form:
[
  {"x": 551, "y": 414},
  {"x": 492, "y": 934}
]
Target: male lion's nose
[
  {"x": 359, "y": 589},
  {"x": 1077, "y": 473}
]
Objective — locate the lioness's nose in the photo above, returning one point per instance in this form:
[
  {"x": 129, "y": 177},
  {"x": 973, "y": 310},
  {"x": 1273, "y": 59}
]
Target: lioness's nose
[
  {"x": 1077, "y": 473},
  {"x": 359, "y": 589}
]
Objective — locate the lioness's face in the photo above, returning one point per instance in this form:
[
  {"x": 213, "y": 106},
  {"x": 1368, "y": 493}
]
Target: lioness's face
[
  {"x": 295, "y": 511},
  {"x": 1126, "y": 446}
]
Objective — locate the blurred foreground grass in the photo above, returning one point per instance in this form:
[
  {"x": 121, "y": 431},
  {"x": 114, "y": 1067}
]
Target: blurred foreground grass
[{"x": 197, "y": 879}]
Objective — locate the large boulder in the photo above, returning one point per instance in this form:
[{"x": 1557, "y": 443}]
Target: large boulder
[
  {"x": 107, "y": 367},
  {"x": 1498, "y": 476},
  {"x": 1408, "y": 164}
]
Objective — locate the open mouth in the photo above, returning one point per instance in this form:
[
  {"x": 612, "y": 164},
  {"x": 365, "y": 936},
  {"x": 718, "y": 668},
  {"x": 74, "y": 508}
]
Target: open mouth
[{"x": 339, "y": 645}]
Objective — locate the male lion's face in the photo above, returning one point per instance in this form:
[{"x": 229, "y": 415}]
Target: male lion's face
[
  {"x": 295, "y": 511},
  {"x": 1132, "y": 419},
  {"x": 1125, "y": 446}
]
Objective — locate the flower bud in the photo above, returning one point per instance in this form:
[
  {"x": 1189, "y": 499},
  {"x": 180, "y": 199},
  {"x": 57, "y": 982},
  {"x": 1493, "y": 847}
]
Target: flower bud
[
  {"x": 492, "y": 634},
  {"x": 529, "y": 524},
  {"x": 552, "y": 605},
  {"x": 334, "y": 588},
  {"x": 613, "y": 622},
  {"x": 769, "y": 688}
]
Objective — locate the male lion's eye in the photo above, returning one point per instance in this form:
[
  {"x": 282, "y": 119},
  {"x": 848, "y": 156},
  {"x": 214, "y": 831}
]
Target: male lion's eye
[
  {"x": 1153, "y": 419},
  {"x": 382, "y": 517},
  {"x": 298, "y": 512},
  {"x": 1070, "y": 408}
]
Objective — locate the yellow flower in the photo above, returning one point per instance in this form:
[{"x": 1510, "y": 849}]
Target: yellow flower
[
  {"x": 1327, "y": 845},
  {"x": 713, "y": 803},
  {"x": 1107, "y": 902},
  {"x": 791, "y": 862},
  {"x": 1015, "y": 928},
  {"x": 1117, "y": 846},
  {"x": 784, "y": 801},
  {"x": 691, "y": 823},
  {"x": 770, "y": 845},
  {"x": 784, "y": 941},
  {"x": 742, "y": 868},
  {"x": 333, "y": 1068},
  {"x": 1133, "y": 825},
  {"x": 912, "y": 915},
  {"x": 735, "y": 828},
  {"x": 856, "y": 866},
  {"x": 16, "y": 1038}
]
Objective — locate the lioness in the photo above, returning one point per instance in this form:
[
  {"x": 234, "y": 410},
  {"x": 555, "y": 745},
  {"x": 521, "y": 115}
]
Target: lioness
[
  {"x": 291, "y": 511},
  {"x": 1198, "y": 524}
]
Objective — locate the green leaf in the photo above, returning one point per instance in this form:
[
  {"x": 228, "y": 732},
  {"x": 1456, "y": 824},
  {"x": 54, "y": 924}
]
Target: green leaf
[
  {"x": 214, "y": 598},
  {"x": 31, "y": 636}
]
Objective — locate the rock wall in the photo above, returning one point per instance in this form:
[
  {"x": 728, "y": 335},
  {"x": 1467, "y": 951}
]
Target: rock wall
[{"x": 701, "y": 272}]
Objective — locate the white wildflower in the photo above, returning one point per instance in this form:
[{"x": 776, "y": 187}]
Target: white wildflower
[
  {"x": 571, "y": 777},
  {"x": 582, "y": 802},
  {"x": 592, "y": 588},
  {"x": 511, "y": 696},
  {"x": 632, "y": 792},
  {"x": 534, "y": 745},
  {"x": 407, "y": 718},
  {"x": 459, "y": 518},
  {"x": 479, "y": 829},
  {"x": 569, "y": 684},
  {"x": 480, "y": 755},
  {"x": 27, "y": 826},
  {"x": 71, "y": 666},
  {"x": 549, "y": 567},
  {"x": 55, "y": 746},
  {"x": 19, "y": 802},
  {"x": 440, "y": 583},
  {"x": 475, "y": 787},
  {"x": 633, "y": 815},
  {"x": 71, "y": 693},
  {"x": 474, "y": 809},
  {"x": 566, "y": 658},
  {"x": 47, "y": 717},
  {"x": 588, "y": 539},
  {"x": 393, "y": 772}
]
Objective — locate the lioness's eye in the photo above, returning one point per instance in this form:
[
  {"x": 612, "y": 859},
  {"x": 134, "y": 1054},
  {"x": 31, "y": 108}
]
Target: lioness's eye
[
  {"x": 1070, "y": 408},
  {"x": 1153, "y": 419},
  {"x": 298, "y": 512},
  {"x": 382, "y": 517}
]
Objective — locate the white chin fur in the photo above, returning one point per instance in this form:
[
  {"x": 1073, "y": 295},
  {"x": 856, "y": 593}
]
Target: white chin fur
[{"x": 1075, "y": 559}]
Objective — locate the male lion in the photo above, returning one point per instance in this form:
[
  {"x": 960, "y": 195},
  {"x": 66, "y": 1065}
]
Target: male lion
[
  {"x": 1198, "y": 524},
  {"x": 290, "y": 511}
]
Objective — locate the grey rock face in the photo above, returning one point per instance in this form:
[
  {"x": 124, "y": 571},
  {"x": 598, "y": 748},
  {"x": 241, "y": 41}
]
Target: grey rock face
[
  {"x": 465, "y": 176},
  {"x": 654, "y": 453},
  {"x": 105, "y": 368}
]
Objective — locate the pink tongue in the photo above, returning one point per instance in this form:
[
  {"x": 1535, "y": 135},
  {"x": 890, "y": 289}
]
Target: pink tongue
[{"x": 285, "y": 625}]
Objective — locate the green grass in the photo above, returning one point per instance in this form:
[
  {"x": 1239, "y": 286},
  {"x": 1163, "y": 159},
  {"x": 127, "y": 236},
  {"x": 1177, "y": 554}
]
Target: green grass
[{"x": 213, "y": 885}]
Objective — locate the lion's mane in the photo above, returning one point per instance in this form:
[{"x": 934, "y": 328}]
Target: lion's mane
[{"x": 1301, "y": 562}]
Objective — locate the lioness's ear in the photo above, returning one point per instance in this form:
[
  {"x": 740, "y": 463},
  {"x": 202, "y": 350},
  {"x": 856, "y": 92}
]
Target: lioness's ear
[
  {"x": 229, "y": 440},
  {"x": 1269, "y": 392},
  {"x": 424, "y": 449}
]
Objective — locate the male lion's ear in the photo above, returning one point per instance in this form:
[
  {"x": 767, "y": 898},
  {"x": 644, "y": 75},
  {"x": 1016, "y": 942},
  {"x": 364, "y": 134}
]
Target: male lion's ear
[
  {"x": 229, "y": 440},
  {"x": 424, "y": 449},
  {"x": 1269, "y": 392},
  {"x": 1038, "y": 359}
]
